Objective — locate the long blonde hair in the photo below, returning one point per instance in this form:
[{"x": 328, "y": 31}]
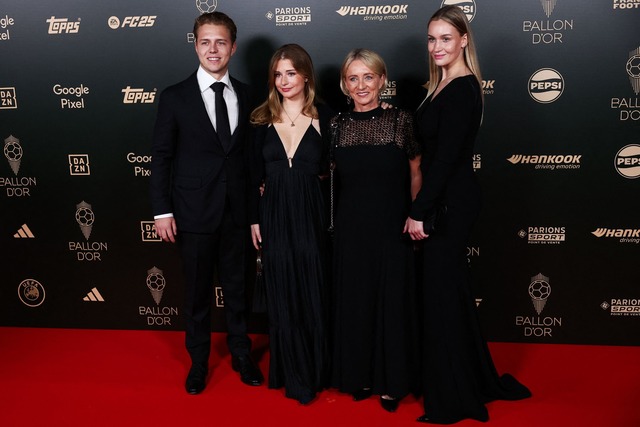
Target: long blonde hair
[
  {"x": 457, "y": 18},
  {"x": 271, "y": 109}
]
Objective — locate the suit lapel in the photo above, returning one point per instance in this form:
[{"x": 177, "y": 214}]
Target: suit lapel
[
  {"x": 242, "y": 110},
  {"x": 200, "y": 116}
]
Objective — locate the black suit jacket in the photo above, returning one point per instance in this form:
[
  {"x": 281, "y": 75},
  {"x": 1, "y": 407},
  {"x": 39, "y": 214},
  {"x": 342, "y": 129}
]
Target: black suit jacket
[{"x": 191, "y": 174}]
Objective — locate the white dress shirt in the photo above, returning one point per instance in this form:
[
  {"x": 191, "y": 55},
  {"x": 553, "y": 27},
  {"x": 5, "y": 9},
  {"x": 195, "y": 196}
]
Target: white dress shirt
[{"x": 205, "y": 80}]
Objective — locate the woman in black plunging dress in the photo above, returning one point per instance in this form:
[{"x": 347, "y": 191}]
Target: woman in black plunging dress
[{"x": 288, "y": 221}]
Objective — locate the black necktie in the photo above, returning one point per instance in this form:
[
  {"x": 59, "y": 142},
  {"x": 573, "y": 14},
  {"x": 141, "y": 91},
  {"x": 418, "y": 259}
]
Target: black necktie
[{"x": 222, "y": 116}]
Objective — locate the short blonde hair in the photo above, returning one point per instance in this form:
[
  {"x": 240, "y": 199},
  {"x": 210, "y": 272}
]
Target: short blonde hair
[{"x": 372, "y": 60}]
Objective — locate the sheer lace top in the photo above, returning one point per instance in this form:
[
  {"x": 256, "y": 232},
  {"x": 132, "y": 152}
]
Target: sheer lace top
[{"x": 377, "y": 127}]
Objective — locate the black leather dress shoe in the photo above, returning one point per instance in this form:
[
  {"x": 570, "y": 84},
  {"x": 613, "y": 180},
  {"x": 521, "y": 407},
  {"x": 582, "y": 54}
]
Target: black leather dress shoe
[
  {"x": 363, "y": 394},
  {"x": 389, "y": 405},
  {"x": 249, "y": 372},
  {"x": 196, "y": 379}
]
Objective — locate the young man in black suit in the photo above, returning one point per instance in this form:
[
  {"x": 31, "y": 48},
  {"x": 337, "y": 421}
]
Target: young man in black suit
[{"x": 198, "y": 193}]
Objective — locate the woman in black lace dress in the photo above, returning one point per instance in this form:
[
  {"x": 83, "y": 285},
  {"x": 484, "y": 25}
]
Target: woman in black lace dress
[
  {"x": 288, "y": 221},
  {"x": 377, "y": 172},
  {"x": 457, "y": 371}
]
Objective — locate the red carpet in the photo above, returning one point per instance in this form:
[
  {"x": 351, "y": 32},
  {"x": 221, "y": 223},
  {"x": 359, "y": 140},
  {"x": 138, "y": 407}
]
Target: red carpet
[{"x": 68, "y": 378}]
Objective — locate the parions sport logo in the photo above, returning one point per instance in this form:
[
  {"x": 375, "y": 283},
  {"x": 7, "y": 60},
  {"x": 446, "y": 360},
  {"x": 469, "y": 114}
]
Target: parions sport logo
[
  {"x": 544, "y": 235},
  {"x": 467, "y": 6},
  {"x": 131, "y": 22},
  {"x": 546, "y": 85},
  {"x": 387, "y": 12},
  {"x": 627, "y": 161},
  {"x": 390, "y": 90},
  {"x": 622, "y": 306},
  {"x": 290, "y": 16}
]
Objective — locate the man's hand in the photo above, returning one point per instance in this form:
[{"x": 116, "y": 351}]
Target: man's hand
[{"x": 166, "y": 229}]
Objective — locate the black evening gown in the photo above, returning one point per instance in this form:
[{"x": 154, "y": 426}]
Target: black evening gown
[
  {"x": 373, "y": 290},
  {"x": 293, "y": 228},
  {"x": 458, "y": 373}
]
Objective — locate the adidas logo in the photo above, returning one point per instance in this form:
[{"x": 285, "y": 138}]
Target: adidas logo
[
  {"x": 93, "y": 295},
  {"x": 24, "y": 233}
]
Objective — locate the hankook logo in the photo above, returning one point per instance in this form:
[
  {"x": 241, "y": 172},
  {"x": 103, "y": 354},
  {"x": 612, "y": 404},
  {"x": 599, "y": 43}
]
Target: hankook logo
[
  {"x": 376, "y": 13},
  {"x": 548, "y": 161}
]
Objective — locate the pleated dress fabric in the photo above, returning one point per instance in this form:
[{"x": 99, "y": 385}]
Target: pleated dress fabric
[{"x": 293, "y": 228}]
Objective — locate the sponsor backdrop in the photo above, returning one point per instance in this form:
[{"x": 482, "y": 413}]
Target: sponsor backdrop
[{"x": 556, "y": 250}]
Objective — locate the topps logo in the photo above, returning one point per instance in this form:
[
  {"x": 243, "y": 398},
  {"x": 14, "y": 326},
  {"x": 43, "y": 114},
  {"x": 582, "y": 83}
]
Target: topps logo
[
  {"x": 132, "y": 22},
  {"x": 138, "y": 96},
  {"x": 62, "y": 26}
]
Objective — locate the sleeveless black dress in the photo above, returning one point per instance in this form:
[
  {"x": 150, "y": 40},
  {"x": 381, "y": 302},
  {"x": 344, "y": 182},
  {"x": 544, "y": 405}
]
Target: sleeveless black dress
[{"x": 293, "y": 229}]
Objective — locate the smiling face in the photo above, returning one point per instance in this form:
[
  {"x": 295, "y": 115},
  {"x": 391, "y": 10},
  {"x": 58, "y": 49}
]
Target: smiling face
[
  {"x": 288, "y": 81},
  {"x": 363, "y": 85},
  {"x": 446, "y": 44},
  {"x": 214, "y": 48}
]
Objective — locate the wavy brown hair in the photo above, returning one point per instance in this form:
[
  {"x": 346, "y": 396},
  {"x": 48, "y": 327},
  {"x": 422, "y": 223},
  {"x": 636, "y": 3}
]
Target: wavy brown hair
[{"x": 270, "y": 110}]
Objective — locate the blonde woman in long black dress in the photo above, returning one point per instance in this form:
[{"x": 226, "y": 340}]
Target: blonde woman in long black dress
[
  {"x": 377, "y": 170},
  {"x": 458, "y": 374}
]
